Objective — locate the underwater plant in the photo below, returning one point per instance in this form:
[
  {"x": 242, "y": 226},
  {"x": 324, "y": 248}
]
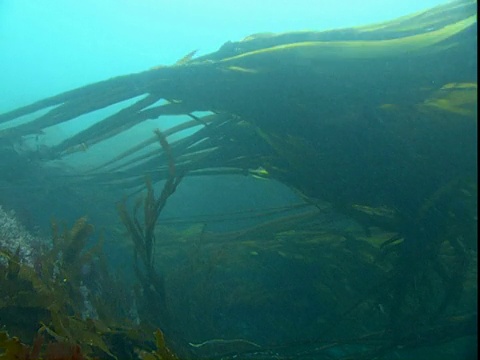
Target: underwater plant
[
  {"x": 377, "y": 121},
  {"x": 53, "y": 293},
  {"x": 143, "y": 235},
  {"x": 61, "y": 306}
]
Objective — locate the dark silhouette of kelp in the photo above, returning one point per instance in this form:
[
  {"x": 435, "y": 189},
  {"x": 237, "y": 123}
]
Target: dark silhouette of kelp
[
  {"x": 143, "y": 235},
  {"x": 377, "y": 121}
]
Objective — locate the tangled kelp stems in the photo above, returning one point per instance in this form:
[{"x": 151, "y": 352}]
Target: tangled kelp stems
[
  {"x": 143, "y": 235},
  {"x": 379, "y": 121}
]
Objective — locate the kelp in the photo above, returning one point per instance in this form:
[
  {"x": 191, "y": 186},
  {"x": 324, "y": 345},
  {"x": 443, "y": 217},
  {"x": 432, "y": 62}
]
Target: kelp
[
  {"x": 350, "y": 273},
  {"x": 143, "y": 235},
  {"x": 363, "y": 303},
  {"x": 56, "y": 305},
  {"x": 185, "y": 82},
  {"x": 161, "y": 353},
  {"x": 373, "y": 293},
  {"x": 296, "y": 67},
  {"x": 53, "y": 293},
  {"x": 377, "y": 121},
  {"x": 456, "y": 98},
  {"x": 418, "y": 23}
]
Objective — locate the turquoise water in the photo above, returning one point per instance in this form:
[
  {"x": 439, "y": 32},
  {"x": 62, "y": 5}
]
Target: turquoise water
[
  {"x": 48, "y": 46},
  {"x": 323, "y": 205}
]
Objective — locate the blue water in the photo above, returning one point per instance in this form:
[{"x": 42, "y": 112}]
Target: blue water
[
  {"x": 49, "y": 46},
  {"x": 255, "y": 285}
]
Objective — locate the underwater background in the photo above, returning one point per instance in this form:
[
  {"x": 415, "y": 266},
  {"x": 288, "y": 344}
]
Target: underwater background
[
  {"x": 261, "y": 263},
  {"x": 52, "y": 45},
  {"x": 48, "y": 47}
]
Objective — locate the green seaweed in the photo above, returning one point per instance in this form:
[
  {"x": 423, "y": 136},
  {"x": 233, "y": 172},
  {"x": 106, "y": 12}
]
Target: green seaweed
[
  {"x": 162, "y": 352},
  {"x": 45, "y": 304}
]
